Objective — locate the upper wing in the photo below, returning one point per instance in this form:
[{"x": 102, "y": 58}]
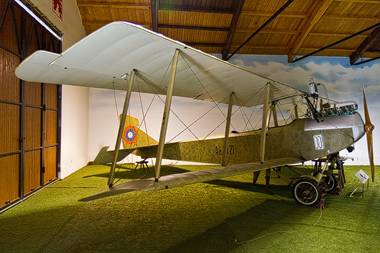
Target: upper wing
[
  {"x": 181, "y": 179},
  {"x": 104, "y": 58}
]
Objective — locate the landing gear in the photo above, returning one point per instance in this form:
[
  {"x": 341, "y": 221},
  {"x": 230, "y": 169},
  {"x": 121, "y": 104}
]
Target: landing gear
[
  {"x": 306, "y": 192},
  {"x": 328, "y": 184}
]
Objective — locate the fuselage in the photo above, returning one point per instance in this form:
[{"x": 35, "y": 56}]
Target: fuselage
[{"x": 303, "y": 138}]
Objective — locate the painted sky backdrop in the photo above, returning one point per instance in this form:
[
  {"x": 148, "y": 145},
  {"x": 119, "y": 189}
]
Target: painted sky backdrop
[{"x": 343, "y": 83}]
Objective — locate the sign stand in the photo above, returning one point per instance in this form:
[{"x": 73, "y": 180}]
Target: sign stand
[{"x": 363, "y": 178}]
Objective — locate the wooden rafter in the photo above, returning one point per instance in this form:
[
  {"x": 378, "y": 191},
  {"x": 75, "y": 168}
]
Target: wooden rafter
[
  {"x": 231, "y": 31},
  {"x": 278, "y": 12},
  {"x": 215, "y": 29},
  {"x": 171, "y": 7},
  {"x": 269, "y": 14},
  {"x": 305, "y": 21},
  {"x": 315, "y": 16},
  {"x": 344, "y": 50},
  {"x": 350, "y": 17},
  {"x": 372, "y": 39},
  {"x": 154, "y": 4},
  {"x": 115, "y": 5}
]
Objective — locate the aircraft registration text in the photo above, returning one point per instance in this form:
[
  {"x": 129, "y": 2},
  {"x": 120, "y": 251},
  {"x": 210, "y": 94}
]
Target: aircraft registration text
[
  {"x": 230, "y": 150},
  {"x": 318, "y": 142}
]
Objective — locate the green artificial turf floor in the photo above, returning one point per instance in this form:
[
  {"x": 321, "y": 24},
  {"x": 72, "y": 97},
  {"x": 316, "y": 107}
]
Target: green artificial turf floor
[{"x": 228, "y": 215}]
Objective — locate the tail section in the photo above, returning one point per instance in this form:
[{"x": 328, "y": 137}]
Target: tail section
[{"x": 133, "y": 136}]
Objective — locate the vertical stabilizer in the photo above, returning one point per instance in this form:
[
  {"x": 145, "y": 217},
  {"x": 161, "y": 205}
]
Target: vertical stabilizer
[{"x": 133, "y": 136}]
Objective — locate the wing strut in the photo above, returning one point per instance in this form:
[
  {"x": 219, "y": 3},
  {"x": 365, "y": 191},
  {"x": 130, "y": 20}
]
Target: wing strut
[
  {"x": 121, "y": 127},
  {"x": 165, "y": 117},
  {"x": 274, "y": 113},
  {"x": 227, "y": 132},
  {"x": 264, "y": 122}
]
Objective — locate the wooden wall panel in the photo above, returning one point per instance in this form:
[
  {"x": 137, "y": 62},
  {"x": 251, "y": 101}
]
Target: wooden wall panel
[
  {"x": 9, "y": 127},
  {"x": 28, "y": 107},
  {"x": 33, "y": 93},
  {"x": 9, "y": 178},
  {"x": 9, "y": 83},
  {"x": 32, "y": 171},
  {"x": 51, "y": 127},
  {"x": 8, "y": 37},
  {"x": 32, "y": 127},
  {"x": 51, "y": 98},
  {"x": 50, "y": 164},
  {"x": 32, "y": 37}
]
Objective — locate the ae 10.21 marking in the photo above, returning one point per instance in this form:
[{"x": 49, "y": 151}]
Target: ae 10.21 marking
[{"x": 230, "y": 150}]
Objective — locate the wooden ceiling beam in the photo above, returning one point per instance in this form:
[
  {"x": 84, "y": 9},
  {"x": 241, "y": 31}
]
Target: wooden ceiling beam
[
  {"x": 361, "y": 1},
  {"x": 171, "y": 7},
  {"x": 315, "y": 16},
  {"x": 94, "y": 4},
  {"x": 282, "y": 47},
  {"x": 278, "y": 12},
  {"x": 103, "y": 23},
  {"x": 216, "y": 29},
  {"x": 154, "y": 12},
  {"x": 338, "y": 42},
  {"x": 197, "y": 44},
  {"x": 336, "y": 34},
  {"x": 350, "y": 17},
  {"x": 231, "y": 31},
  {"x": 269, "y": 14},
  {"x": 372, "y": 39},
  {"x": 222, "y": 29}
]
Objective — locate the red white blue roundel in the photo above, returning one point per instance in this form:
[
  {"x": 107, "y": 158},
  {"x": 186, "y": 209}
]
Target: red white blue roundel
[{"x": 130, "y": 135}]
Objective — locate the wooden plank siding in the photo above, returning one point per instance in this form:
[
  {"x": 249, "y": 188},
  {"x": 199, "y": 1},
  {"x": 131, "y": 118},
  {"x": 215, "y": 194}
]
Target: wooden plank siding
[{"x": 29, "y": 112}]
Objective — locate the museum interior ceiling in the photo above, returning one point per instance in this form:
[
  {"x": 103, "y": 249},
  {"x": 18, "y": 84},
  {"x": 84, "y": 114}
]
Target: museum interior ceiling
[{"x": 296, "y": 28}]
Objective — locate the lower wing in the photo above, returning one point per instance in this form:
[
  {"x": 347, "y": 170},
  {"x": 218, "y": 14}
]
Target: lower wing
[{"x": 181, "y": 179}]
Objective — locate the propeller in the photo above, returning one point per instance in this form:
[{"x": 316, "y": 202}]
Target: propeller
[{"x": 368, "y": 129}]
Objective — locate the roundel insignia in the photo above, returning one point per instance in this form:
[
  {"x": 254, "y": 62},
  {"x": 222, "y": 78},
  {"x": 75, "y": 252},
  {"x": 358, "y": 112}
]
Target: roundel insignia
[{"x": 130, "y": 135}]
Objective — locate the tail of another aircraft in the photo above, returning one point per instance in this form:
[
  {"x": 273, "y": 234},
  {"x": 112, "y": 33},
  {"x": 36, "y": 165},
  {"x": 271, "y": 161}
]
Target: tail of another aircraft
[{"x": 133, "y": 136}]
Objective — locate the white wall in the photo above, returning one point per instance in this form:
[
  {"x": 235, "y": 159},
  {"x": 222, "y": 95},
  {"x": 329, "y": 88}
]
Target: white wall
[{"x": 74, "y": 153}]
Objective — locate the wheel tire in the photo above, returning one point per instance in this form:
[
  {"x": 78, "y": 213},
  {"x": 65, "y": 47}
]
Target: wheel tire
[
  {"x": 306, "y": 192},
  {"x": 329, "y": 184}
]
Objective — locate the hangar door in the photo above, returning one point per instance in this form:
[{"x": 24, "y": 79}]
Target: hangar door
[{"x": 29, "y": 112}]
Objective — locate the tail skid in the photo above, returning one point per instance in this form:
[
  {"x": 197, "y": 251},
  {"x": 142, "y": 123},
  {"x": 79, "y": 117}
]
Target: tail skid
[{"x": 133, "y": 138}]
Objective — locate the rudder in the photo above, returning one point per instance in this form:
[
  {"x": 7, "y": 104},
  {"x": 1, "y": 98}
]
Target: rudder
[{"x": 133, "y": 136}]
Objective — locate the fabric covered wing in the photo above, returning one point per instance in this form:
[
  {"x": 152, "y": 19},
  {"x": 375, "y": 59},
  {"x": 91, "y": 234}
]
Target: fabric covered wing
[
  {"x": 181, "y": 179},
  {"x": 104, "y": 59}
]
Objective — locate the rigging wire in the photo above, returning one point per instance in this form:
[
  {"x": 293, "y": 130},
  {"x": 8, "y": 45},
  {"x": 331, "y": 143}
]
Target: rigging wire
[{"x": 114, "y": 97}]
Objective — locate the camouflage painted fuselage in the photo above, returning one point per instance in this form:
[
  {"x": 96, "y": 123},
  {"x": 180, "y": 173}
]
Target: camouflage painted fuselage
[{"x": 305, "y": 139}]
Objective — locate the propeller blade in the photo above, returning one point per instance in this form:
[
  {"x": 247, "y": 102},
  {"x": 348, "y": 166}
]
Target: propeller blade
[
  {"x": 366, "y": 114},
  {"x": 368, "y": 129},
  {"x": 370, "y": 154}
]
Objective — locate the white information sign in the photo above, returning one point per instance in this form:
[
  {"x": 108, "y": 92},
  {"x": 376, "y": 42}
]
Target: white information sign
[{"x": 362, "y": 176}]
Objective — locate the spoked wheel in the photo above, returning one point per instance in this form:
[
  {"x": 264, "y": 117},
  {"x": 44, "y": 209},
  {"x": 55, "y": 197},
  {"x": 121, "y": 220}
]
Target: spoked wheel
[
  {"x": 306, "y": 192},
  {"x": 328, "y": 184}
]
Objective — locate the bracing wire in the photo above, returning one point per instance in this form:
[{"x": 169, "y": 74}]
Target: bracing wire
[{"x": 114, "y": 97}]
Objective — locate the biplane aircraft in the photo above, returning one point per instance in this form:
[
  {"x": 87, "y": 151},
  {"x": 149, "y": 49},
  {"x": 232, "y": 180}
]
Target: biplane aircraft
[{"x": 114, "y": 56}]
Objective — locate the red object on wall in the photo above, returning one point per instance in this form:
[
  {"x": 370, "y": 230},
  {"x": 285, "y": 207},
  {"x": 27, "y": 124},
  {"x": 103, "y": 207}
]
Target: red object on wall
[{"x": 58, "y": 8}]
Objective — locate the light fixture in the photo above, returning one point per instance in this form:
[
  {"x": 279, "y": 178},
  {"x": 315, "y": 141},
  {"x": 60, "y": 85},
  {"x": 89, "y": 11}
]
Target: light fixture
[{"x": 38, "y": 19}]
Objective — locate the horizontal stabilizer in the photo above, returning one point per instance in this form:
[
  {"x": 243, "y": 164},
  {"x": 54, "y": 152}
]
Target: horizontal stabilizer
[
  {"x": 105, "y": 156},
  {"x": 181, "y": 179}
]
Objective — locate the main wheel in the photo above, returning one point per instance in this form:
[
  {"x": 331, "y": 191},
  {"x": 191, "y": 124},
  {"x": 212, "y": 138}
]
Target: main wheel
[
  {"x": 328, "y": 184},
  {"x": 306, "y": 192}
]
